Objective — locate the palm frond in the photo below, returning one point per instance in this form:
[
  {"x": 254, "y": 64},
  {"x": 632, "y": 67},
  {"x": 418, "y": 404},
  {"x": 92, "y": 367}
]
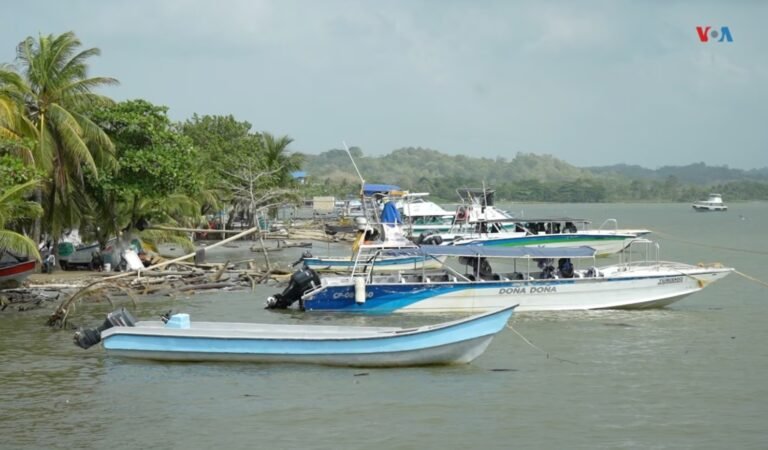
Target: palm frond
[
  {"x": 18, "y": 243},
  {"x": 153, "y": 238}
]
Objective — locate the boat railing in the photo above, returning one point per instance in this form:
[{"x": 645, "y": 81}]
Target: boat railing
[
  {"x": 608, "y": 222},
  {"x": 650, "y": 255}
]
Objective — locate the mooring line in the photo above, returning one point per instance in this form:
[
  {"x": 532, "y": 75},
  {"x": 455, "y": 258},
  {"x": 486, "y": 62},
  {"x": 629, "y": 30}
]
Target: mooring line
[
  {"x": 537, "y": 348},
  {"x": 751, "y": 278},
  {"x": 717, "y": 247}
]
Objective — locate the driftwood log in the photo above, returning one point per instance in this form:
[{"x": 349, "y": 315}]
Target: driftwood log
[{"x": 185, "y": 277}]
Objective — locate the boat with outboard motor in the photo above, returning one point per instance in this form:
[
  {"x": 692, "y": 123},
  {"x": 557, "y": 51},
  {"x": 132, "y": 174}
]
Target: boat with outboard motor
[
  {"x": 177, "y": 338},
  {"x": 535, "y": 282},
  {"x": 713, "y": 203}
]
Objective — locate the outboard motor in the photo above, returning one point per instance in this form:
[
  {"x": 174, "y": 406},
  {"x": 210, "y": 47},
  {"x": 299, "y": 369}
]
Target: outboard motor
[
  {"x": 91, "y": 337},
  {"x": 305, "y": 255},
  {"x": 301, "y": 282},
  {"x": 429, "y": 239}
]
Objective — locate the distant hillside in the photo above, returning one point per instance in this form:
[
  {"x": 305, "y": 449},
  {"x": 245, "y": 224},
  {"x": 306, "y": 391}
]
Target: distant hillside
[
  {"x": 528, "y": 177},
  {"x": 412, "y": 166},
  {"x": 699, "y": 173}
]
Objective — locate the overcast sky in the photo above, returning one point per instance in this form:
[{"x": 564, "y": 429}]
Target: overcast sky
[{"x": 592, "y": 83}]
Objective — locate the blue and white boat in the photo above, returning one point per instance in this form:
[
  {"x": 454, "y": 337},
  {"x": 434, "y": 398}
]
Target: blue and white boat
[
  {"x": 538, "y": 279},
  {"x": 180, "y": 339},
  {"x": 387, "y": 250},
  {"x": 381, "y": 258},
  {"x": 549, "y": 232}
]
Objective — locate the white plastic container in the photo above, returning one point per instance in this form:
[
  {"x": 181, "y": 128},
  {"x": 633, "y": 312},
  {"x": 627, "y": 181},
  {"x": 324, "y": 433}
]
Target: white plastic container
[{"x": 359, "y": 290}]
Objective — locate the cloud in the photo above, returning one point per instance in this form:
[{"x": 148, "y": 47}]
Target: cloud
[{"x": 590, "y": 82}]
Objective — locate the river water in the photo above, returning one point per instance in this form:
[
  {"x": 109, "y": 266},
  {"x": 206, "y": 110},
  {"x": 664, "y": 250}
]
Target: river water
[{"x": 693, "y": 375}]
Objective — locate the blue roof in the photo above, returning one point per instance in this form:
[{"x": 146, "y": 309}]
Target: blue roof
[
  {"x": 370, "y": 189},
  {"x": 508, "y": 252},
  {"x": 299, "y": 174}
]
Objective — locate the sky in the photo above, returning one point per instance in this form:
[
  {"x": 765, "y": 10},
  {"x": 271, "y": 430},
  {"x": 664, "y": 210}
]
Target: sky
[{"x": 590, "y": 82}]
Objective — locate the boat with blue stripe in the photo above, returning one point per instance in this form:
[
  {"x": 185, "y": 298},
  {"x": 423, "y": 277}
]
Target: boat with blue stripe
[
  {"x": 538, "y": 279},
  {"x": 181, "y": 339},
  {"x": 556, "y": 232}
]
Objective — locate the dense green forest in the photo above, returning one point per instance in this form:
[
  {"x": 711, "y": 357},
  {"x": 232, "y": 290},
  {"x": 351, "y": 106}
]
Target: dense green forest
[{"x": 529, "y": 177}]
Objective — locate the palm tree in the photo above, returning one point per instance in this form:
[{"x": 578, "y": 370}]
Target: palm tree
[
  {"x": 56, "y": 94},
  {"x": 275, "y": 153},
  {"x": 18, "y": 135},
  {"x": 14, "y": 207}
]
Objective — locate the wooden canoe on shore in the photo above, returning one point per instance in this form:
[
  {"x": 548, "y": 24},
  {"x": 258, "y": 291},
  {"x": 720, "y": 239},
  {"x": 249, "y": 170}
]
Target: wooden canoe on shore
[{"x": 14, "y": 274}]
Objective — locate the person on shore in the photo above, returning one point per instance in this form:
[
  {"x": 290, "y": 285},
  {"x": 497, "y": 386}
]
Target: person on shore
[
  {"x": 49, "y": 263},
  {"x": 97, "y": 262}
]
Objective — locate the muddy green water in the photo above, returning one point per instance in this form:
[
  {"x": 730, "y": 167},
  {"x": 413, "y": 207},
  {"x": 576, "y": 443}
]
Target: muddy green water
[{"x": 693, "y": 375}]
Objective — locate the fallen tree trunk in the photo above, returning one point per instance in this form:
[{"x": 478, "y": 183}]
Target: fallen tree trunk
[
  {"x": 59, "y": 316},
  {"x": 202, "y": 286}
]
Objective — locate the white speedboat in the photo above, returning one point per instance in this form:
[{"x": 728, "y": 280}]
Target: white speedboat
[
  {"x": 538, "y": 279},
  {"x": 713, "y": 203},
  {"x": 548, "y": 232},
  {"x": 423, "y": 216}
]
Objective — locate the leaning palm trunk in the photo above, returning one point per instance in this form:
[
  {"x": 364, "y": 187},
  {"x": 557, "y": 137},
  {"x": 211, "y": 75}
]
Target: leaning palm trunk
[{"x": 37, "y": 227}]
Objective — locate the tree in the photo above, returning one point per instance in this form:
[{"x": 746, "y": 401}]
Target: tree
[
  {"x": 18, "y": 135},
  {"x": 14, "y": 207},
  {"x": 55, "y": 93},
  {"x": 157, "y": 176},
  {"x": 274, "y": 151}
]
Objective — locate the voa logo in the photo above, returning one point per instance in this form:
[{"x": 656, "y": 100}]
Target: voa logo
[{"x": 707, "y": 33}]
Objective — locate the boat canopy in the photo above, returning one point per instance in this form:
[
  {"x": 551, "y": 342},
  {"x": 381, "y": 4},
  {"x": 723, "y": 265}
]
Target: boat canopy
[
  {"x": 371, "y": 189},
  {"x": 476, "y": 251}
]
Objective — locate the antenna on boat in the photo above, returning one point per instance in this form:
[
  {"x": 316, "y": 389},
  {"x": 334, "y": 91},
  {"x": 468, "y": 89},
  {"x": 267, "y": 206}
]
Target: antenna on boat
[
  {"x": 362, "y": 181},
  {"x": 485, "y": 200}
]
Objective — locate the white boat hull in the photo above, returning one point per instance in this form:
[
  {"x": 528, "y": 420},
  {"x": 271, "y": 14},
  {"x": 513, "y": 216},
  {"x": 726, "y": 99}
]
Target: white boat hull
[
  {"x": 457, "y": 342},
  {"x": 617, "y": 288},
  {"x": 604, "y": 242},
  {"x": 708, "y": 208},
  {"x": 461, "y": 353}
]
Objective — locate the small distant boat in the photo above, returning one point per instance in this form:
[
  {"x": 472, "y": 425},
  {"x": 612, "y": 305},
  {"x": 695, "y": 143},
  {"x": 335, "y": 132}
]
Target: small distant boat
[
  {"x": 180, "y": 339},
  {"x": 713, "y": 203},
  {"x": 13, "y": 274}
]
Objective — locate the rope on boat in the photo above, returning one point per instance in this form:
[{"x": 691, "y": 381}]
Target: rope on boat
[
  {"x": 751, "y": 278},
  {"x": 718, "y": 247},
  {"x": 537, "y": 348}
]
